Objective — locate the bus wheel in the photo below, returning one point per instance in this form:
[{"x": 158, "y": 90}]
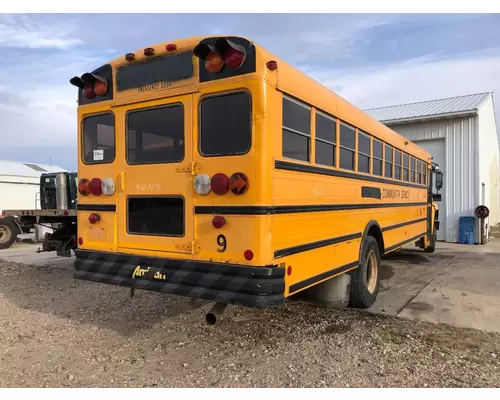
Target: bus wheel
[
  {"x": 365, "y": 280},
  {"x": 432, "y": 247},
  {"x": 8, "y": 233}
]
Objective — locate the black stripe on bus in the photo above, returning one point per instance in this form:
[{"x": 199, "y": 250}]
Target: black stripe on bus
[
  {"x": 96, "y": 207},
  {"x": 314, "y": 245},
  {"x": 266, "y": 210},
  {"x": 407, "y": 241},
  {"x": 388, "y": 228},
  {"x": 324, "y": 275},
  {"x": 288, "y": 166}
]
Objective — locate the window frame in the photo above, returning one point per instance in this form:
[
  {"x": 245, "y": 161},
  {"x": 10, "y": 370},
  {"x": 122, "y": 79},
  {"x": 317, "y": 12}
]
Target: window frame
[
  {"x": 82, "y": 144},
  {"x": 370, "y": 138},
  {"x": 221, "y": 94},
  {"x": 296, "y": 132},
  {"x": 404, "y": 168},
  {"x": 324, "y": 141},
  {"x": 162, "y": 106},
  {"x": 354, "y": 130},
  {"x": 376, "y": 158},
  {"x": 386, "y": 145}
]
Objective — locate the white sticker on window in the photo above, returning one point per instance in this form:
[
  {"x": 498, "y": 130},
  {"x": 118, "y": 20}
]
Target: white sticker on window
[{"x": 98, "y": 155}]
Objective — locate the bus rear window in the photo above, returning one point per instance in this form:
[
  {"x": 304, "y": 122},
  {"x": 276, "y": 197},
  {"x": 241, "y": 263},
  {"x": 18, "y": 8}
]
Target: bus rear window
[
  {"x": 98, "y": 139},
  {"x": 156, "y": 135},
  {"x": 226, "y": 124},
  {"x": 157, "y": 72}
]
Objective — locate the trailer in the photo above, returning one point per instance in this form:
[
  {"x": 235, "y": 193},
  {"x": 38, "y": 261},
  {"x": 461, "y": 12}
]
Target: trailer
[{"x": 58, "y": 198}]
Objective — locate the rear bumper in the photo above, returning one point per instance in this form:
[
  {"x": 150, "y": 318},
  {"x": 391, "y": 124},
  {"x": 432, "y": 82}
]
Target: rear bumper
[{"x": 225, "y": 283}]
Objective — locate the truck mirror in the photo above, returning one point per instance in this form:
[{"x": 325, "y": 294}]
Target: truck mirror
[{"x": 439, "y": 180}]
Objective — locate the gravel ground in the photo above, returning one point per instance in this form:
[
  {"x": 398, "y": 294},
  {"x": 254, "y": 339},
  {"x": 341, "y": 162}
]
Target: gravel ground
[{"x": 58, "y": 332}]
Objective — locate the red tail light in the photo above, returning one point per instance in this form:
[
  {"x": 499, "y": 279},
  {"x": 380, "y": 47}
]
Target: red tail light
[
  {"x": 96, "y": 186},
  {"x": 149, "y": 52},
  {"x": 171, "y": 47},
  {"x": 84, "y": 187},
  {"x": 248, "y": 255},
  {"x": 219, "y": 184},
  {"x": 218, "y": 222},
  {"x": 130, "y": 57},
  {"x": 94, "y": 218}
]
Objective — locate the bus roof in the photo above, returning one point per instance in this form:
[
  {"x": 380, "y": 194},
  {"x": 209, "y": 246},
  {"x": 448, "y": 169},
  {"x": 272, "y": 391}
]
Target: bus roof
[{"x": 297, "y": 84}]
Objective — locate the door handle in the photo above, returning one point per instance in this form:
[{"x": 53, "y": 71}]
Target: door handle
[{"x": 122, "y": 181}]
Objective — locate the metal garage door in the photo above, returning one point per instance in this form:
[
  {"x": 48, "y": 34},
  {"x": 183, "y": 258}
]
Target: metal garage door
[{"x": 437, "y": 149}]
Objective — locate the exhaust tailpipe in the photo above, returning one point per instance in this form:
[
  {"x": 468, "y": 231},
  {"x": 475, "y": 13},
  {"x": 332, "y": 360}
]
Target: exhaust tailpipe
[{"x": 215, "y": 313}]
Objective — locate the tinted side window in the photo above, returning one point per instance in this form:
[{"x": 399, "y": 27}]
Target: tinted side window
[
  {"x": 155, "y": 135},
  {"x": 388, "y": 161},
  {"x": 363, "y": 153},
  {"x": 98, "y": 139},
  {"x": 296, "y": 131},
  {"x": 326, "y": 132},
  {"x": 412, "y": 170},
  {"x": 226, "y": 124},
  {"x": 377, "y": 157},
  {"x": 397, "y": 164},
  {"x": 346, "y": 147},
  {"x": 406, "y": 169}
]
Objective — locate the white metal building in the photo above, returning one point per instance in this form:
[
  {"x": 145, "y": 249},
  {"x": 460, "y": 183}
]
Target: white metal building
[
  {"x": 20, "y": 183},
  {"x": 461, "y": 135}
]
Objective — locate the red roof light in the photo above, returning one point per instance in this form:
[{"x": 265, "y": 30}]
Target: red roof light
[
  {"x": 149, "y": 51},
  {"x": 171, "y": 47}
]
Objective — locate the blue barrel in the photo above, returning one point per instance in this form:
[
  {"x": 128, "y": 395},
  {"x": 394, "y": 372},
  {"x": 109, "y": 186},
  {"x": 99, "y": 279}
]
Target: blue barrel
[{"x": 466, "y": 230}]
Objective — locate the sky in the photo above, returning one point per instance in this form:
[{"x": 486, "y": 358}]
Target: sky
[{"x": 370, "y": 60}]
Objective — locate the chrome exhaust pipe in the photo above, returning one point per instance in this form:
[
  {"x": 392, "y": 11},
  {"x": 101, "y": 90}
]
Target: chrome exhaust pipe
[{"x": 215, "y": 313}]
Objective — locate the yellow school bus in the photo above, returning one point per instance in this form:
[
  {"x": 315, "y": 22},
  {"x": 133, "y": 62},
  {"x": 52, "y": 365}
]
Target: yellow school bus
[{"x": 210, "y": 168}]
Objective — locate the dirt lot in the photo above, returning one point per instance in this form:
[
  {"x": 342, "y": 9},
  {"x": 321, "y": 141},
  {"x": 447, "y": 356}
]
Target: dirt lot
[{"x": 58, "y": 332}]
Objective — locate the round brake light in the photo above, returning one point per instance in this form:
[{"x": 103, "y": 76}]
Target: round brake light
[
  {"x": 84, "y": 187},
  {"x": 96, "y": 186},
  {"x": 219, "y": 184}
]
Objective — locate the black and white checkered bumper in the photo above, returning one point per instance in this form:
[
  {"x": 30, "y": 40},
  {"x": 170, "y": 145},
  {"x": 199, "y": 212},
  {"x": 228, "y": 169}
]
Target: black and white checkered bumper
[{"x": 225, "y": 283}]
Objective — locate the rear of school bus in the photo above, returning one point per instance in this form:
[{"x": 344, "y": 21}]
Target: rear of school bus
[{"x": 174, "y": 155}]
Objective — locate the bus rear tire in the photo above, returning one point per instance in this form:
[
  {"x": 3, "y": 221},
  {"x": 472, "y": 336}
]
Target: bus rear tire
[
  {"x": 8, "y": 233},
  {"x": 432, "y": 246},
  {"x": 365, "y": 280}
]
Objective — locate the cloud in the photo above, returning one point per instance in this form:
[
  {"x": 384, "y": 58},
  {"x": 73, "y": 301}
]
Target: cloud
[
  {"x": 370, "y": 60},
  {"x": 413, "y": 80},
  {"x": 21, "y": 31}
]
